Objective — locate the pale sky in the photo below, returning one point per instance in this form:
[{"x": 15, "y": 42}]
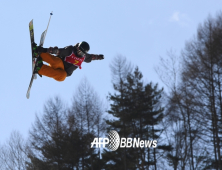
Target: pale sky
[{"x": 141, "y": 30}]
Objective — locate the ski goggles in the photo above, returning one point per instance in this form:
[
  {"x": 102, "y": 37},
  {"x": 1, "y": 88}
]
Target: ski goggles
[{"x": 80, "y": 52}]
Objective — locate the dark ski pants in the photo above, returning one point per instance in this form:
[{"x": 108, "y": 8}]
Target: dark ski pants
[{"x": 55, "y": 69}]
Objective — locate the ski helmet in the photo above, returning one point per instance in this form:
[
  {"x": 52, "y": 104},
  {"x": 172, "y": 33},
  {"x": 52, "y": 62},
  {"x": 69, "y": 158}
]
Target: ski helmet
[{"x": 84, "y": 46}]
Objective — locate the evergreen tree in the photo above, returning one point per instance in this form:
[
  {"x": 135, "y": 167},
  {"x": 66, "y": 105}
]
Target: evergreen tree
[
  {"x": 120, "y": 69},
  {"x": 137, "y": 112}
]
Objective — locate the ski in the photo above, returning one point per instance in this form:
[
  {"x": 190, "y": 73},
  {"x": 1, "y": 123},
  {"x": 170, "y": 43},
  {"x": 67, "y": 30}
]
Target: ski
[
  {"x": 31, "y": 31},
  {"x": 42, "y": 39},
  {"x": 30, "y": 85},
  {"x": 33, "y": 75}
]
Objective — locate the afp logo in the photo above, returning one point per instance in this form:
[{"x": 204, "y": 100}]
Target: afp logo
[{"x": 113, "y": 142}]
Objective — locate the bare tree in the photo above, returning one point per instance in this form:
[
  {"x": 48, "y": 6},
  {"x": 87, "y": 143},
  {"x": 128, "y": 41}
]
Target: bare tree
[
  {"x": 169, "y": 70},
  {"x": 13, "y": 154},
  {"x": 194, "y": 104},
  {"x": 202, "y": 72},
  {"x": 181, "y": 123},
  {"x": 120, "y": 68},
  {"x": 88, "y": 110}
]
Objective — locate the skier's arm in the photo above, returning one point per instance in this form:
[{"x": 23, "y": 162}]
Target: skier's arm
[
  {"x": 62, "y": 52},
  {"x": 51, "y": 50},
  {"x": 90, "y": 57}
]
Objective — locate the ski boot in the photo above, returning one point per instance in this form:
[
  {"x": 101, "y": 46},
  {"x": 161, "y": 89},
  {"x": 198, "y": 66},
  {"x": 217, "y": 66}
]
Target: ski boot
[
  {"x": 36, "y": 49},
  {"x": 38, "y": 66}
]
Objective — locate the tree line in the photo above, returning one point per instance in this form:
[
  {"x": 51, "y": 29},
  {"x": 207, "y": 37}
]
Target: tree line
[{"x": 185, "y": 117}]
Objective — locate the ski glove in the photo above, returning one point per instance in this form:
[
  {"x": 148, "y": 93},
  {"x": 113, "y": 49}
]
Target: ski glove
[
  {"x": 53, "y": 50},
  {"x": 98, "y": 57}
]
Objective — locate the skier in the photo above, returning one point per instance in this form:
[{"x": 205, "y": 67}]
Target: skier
[{"x": 65, "y": 61}]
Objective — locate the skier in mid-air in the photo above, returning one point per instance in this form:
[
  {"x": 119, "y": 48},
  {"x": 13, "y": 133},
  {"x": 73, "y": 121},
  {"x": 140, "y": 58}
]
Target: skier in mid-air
[{"x": 65, "y": 61}]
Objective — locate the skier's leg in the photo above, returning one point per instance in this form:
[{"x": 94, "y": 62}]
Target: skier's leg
[
  {"x": 56, "y": 68},
  {"x": 55, "y": 62},
  {"x": 58, "y": 74}
]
